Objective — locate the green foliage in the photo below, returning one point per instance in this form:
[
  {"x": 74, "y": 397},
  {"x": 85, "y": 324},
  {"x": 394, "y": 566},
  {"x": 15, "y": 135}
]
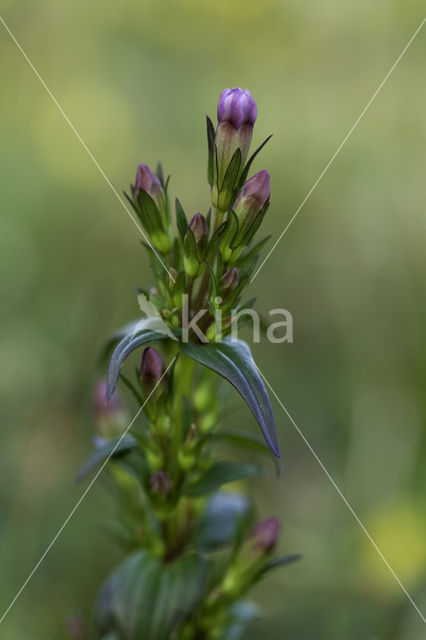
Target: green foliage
[{"x": 195, "y": 550}]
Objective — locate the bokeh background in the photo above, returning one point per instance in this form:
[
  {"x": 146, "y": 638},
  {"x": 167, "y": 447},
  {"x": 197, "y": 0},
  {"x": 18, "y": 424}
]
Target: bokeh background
[{"x": 136, "y": 79}]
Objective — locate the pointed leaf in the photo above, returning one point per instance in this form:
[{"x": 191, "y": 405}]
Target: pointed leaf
[
  {"x": 232, "y": 172},
  {"x": 145, "y": 598},
  {"x": 246, "y": 169},
  {"x": 150, "y": 212},
  {"x": 211, "y": 134},
  {"x": 220, "y": 473},
  {"x": 181, "y": 220},
  {"x": 110, "y": 448},
  {"x": 119, "y": 335},
  {"x": 125, "y": 347},
  {"x": 232, "y": 359},
  {"x": 281, "y": 561}
]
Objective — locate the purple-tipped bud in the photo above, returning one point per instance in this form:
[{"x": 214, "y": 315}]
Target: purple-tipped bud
[
  {"x": 152, "y": 369},
  {"x": 236, "y": 114},
  {"x": 264, "y": 535},
  {"x": 229, "y": 281},
  {"x": 148, "y": 181},
  {"x": 199, "y": 227},
  {"x": 237, "y": 107},
  {"x": 161, "y": 483},
  {"x": 252, "y": 200}
]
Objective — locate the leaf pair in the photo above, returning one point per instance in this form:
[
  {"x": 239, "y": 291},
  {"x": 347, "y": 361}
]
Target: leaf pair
[
  {"x": 144, "y": 598},
  {"x": 231, "y": 359}
]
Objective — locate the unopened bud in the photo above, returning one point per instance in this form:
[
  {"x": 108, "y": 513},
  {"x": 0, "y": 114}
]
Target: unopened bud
[
  {"x": 252, "y": 201},
  {"x": 264, "y": 535},
  {"x": 199, "y": 227},
  {"x": 236, "y": 115},
  {"x": 148, "y": 181},
  {"x": 152, "y": 369},
  {"x": 229, "y": 281},
  {"x": 236, "y": 107},
  {"x": 161, "y": 483},
  {"x": 195, "y": 244}
]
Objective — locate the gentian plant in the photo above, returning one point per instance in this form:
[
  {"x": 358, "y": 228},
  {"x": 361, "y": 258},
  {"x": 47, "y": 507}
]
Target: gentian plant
[{"x": 194, "y": 549}]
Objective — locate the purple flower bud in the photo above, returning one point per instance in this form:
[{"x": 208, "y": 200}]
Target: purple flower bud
[
  {"x": 252, "y": 200},
  {"x": 237, "y": 107},
  {"x": 236, "y": 113},
  {"x": 199, "y": 227},
  {"x": 152, "y": 368},
  {"x": 229, "y": 281},
  {"x": 148, "y": 181},
  {"x": 264, "y": 535},
  {"x": 161, "y": 483}
]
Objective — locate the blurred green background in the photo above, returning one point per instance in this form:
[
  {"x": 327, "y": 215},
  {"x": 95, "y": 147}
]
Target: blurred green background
[{"x": 136, "y": 79}]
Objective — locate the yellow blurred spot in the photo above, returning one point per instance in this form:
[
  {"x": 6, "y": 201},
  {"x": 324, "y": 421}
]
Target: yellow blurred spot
[{"x": 399, "y": 531}]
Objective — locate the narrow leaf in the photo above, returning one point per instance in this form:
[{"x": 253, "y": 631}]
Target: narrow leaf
[
  {"x": 281, "y": 561},
  {"x": 221, "y": 473},
  {"x": 181, "y": 220},
  {"x": 211, "y": 147},
  {"x": 123, "y": 349},
  {"x": 232, "y": 171},
  {"x": 110, "y": 448},
  {"x": 232, "y": 359},
  {"x": 244, "y": 174}
]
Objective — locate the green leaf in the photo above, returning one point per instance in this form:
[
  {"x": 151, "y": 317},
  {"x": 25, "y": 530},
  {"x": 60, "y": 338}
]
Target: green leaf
[
  {"x": 119, "y": 335},
  {"x": 232, "y": 172},
  {"x": 253, "y": 251},
  {"x": 242, "y": 438},
  {"x": 281, "y": 561},
  {"x": 244, "y": 174},
  {"x": 215, "y": 238},
  {"x": 228, "y": 235},
  {"x": 150, "y": 212},
  {"x": 215, "y": 284},
  {"x": 133, "y": 390},
  {"x": 112, "y": 448},
  {"x": 208, "y": 218},
  {"x": 144, "y": 598},
  {"x": 181, "y": 589},
  {"x": 181, "y": 220},
  {"x": 218, "y": 474},
  {"x": 247, "y": 267},
  {"x": 252, "y": 230},
  {"x": 211, "y": 134},
  {"x": 160, "y": 174},
  {"x": 124, "y": 348},
  {"x": 232, "y": 359},
  {"x": 190, "y": 256}
]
